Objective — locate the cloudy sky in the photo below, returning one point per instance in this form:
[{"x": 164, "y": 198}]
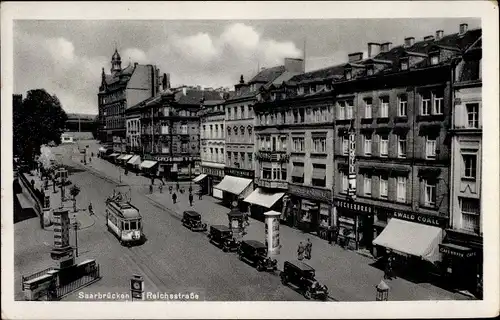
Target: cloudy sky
[{"x": 66, "y": 57}]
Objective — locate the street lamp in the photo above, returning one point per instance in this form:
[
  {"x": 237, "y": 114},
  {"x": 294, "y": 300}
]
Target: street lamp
[
  {"x": 382, "y": 291},
  {"x": 75, "y": 227}
]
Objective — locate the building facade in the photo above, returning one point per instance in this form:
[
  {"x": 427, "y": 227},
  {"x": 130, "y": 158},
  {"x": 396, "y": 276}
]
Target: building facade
[
  {"x": 463, "y": 248},
  {"x": 212, "y": 150},
  {"x": 170, "y": 132},
  {"x": 120, "y": 90}
]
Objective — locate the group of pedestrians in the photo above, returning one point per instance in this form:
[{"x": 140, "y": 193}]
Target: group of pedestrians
[
  {"x": 181, "y": 190},
  {"x": 304, "y": 251}
]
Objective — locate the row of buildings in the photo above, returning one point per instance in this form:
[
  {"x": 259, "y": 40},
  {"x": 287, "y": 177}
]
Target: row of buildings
[{"x": 384, "y": 148}]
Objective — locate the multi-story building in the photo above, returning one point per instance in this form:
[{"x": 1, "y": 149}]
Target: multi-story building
[
  {"x": 120, "y": 90},
  {"x": 294, "y": 150},
  {"x": 170, "y": 132},
  {"x": 239, "y": 122},
  {"x": 212, "y": 134},
  {"x": 463, "y": 248}
]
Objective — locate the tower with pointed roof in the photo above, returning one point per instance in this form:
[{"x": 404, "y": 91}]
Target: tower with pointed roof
[{"x": 116, "y": 63}]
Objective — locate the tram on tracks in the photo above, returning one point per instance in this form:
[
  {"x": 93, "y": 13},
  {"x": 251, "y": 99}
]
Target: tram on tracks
[{"x": 123, "y": 219}]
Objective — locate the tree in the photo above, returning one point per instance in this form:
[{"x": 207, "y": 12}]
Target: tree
[
  {"x": 38, "y": 120},
  {"x": 74, "y": 191}
]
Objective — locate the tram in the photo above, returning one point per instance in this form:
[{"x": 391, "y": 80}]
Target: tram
[{"x": 123, "y": 219}]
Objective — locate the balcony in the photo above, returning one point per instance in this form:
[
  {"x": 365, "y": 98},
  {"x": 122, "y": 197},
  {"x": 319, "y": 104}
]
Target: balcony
[
  {"x": 270, "y": 183},
  {"x": 273, "y": 156}
]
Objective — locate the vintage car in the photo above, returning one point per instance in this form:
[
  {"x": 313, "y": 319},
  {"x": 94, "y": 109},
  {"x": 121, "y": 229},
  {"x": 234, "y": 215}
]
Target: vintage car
[
  {"x": 255, "y": 252},
  {"x": 302, "y": 276},
  {"x": 222, "y": 236},
  {"x": 192, "y": 220}
]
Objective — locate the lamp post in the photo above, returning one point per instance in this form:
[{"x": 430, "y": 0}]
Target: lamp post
[
  {"x": 75, "y": 227},
  {"x": 382, "y": 291}
]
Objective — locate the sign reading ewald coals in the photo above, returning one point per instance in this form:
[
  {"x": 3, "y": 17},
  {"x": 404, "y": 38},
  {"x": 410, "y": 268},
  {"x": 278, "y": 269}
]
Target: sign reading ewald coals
[{"x": 420, "y": 218}]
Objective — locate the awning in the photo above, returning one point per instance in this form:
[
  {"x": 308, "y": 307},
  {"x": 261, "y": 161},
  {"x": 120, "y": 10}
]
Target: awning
[
  {"x": 121, "y": 157},
  {"x": 101, "y": 149},
  {"x": 411, "y": 238},
  {"x": 234, "y": 185},
  {"x": 134, "y": 160},
  {"x": 126, "y": 157},
  {"x": 148, "y": 164},
  {"x": 114, "y": 155},
  {"x": 200, "y": 177},
  {"x": 265, "y": 199},
  {"x": 319, "y": 173},
  {"x": 297, "y": 171}
]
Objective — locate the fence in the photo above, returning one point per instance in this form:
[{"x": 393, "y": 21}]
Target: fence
[
  {"x": 33, "y": 276},
  {"x": 36, "y": 197},
  {"x": 89, "y": 278}
]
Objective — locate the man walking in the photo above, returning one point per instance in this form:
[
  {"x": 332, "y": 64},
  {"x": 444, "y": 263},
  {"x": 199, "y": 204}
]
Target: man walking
[
  {"x": 160, "y": 187},
  {"x": 300, "y": 252},
  {"x": 174, "y": 197},
  {"x": 91, "y": 210},
  {"x": 170, "y": 189},
  {"x": 190, "y": 199},
  {"x": 200, "y": 194},
  {"x": 151, "y": 188},
  {"x": 308, "y": 249},
  {"x": 177, "y": 185}
]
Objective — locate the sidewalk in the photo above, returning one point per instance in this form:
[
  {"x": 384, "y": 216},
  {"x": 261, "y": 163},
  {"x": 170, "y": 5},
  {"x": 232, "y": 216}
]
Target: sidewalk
[{"x": 348, "y": 275}]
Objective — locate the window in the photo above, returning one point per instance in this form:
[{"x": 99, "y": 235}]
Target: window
[
  {"x": 430, "y": 148},
  {"x": 295, "y": 116},
  {"x": 434, "y": 60},
  {"x": 298, "y": 144},
  {"x": 242, "y": 159},
  {"x": 369, "y": 70},
  {"x": 367, "y": 185},
  {"x": 425, "y": 109},
  {"x": 402, "y": 106},
  {"x": 470, "y": 165},
  {"x": 184, "y": 129},
  {"x": 349, "y": 109},
  {"x": 368, "y": 108},
  {"x": 301, "y": 115},
  {"x": 401, "y": 146},
  {"x": 345, "y": 182},
  {"x": 383, "y": 187},
  {"x": 283, "y": 117},
  {"x": 348, "y": 74},
  {"x": 438, "y": 102},
  {"x": 319, "y": 175},
  {"x": 266, "y": 173},
  {"x": 250, "y": 158},
  {"x": 384, "y": 107},
  {"x": 283, "y": 143},
  {"x": 242, "y": 112},
  {"x": 472, "y": 115},
  {"x": 401, "y": 189},
  {"x": 470, "y": 214},
  {"x": 341, "y": 110},
  {"x": 228, "y": 157},
  {"x": 345, "y": 145},
  {"x": 404, "y": 64},
  {"x": 367, "y": 144},
  {"x": 430, "y": 193},
  {"x": 319, "y": 144},
  {"x": 384, "y": 145},
  {"x": 216, "y": 131},
  {"x": 298, "y": 172}
]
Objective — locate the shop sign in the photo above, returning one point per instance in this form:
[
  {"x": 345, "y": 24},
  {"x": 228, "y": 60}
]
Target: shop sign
[
  {"x": 353, "y": 206},
  {"x": 351, "y": 191},
  {"x": 239, "y": 173},
  {"x": 456, "y": 253},
  {"x": 310, "y": 193},
  {"x": 420, "y": 218}
]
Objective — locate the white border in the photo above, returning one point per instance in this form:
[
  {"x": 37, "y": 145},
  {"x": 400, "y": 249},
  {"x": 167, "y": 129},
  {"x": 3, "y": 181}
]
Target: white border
[{"x": 488, "y": 11}]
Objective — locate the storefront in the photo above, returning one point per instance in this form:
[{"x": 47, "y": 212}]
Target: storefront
[
  {"x": 234, "y": 190},
  {"x": 214, "y": 177},
  {"x": 149, "y": 167},
  {"x": 201, "y": 180},
  {"x": 309, "y": 209},
  {"x": 263, "y": 200},
  {"x": 355, "y": 223},
  {"x": 134, "y": 163},
  {"x": 462, "y": 261}
]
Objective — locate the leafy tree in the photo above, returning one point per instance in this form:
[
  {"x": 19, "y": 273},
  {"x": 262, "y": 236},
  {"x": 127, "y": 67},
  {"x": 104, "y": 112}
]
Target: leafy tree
[
  {"x": 39, "y": 120},
  {"x": 74, "y": 191}
]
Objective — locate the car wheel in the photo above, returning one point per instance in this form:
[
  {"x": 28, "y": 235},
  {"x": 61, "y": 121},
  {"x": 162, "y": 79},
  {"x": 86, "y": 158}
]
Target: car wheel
[
  {"x": 308, "y": 294},
  {"x": 224, "y": 248},
  {"x": 240, "y": 257},
  {"x": 260, "y": 267},
  {"x": 284, "y": 280}
]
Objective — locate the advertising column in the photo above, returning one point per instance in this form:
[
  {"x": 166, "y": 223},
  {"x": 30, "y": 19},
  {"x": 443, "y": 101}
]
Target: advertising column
[
  {"x": 62, "y": 252},
  {"x": 272, "y": 232}
]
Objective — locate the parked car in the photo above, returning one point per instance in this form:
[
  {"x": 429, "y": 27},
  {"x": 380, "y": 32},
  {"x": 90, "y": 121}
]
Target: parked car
[
  {"x": 302, "y": 276},
  {"x": 192, "y": 220},
  {"x": 222, "y": 236},
  {"x": 255, "y": 252}
]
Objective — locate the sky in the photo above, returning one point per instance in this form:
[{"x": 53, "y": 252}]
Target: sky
[{"x": 66, "y": 57}]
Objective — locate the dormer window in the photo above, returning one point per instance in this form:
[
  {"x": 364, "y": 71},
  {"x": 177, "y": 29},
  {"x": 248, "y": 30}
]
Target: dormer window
[
  {"x": 434, "y": 59},
  {"x": 404, "y": 64},
  {"x": 273, "y": 96},
  {"x": 369, "y": 70},
  {"x": 348, "y": 74}
]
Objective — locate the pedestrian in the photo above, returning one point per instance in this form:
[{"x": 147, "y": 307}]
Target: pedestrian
[
  {"x": 308, "y": 249},
  {"x": 91, "y": 210},
  {"x": 388, "y": 272},
  {"x": 150, "y": 188},
  {"x": 170, "y": 189},
  {"x": 300, "y": 251},
  {"x": 160, "y": 187},
  {"x": 200, "y": 194},
  {"x": 191, "y": 199},
  {"x": 177, "y": 185},
  {"x": 190, "y": 188},
  {"x": 174, "y": 197}
]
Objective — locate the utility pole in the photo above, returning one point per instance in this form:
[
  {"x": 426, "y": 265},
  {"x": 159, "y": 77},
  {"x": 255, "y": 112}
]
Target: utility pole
[
  {"x": 79, "y": 124},
  {"x": 75, "y": 227}
]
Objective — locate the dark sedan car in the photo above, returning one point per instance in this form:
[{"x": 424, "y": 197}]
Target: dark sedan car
[
  {"x": 222, "y": 236},
  {"x": 302, "y": 276},
  {"x": 192, "y": 220},
  {"x": 255, "y": 252}
]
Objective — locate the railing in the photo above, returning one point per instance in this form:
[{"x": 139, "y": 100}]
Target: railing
[
  {"x": 92, "y": 276},
  {"x": 278, "y": 156},
  {"x": 35, "y": 275},
  {"x": 269, "y": 183},
  {"x": 33, "y": 194}
]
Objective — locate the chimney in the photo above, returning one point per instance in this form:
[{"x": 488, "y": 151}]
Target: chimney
[
  {"x": 428, "y": 38},
  {"x": 439, "y": 34},
  {"x": 353, "y": 57},
  {"x": 463, "y": 28},
  {"x": 386, "y": 46},
  {"x": 409, "y": 41},
  {"x": 373, "y": 49},
  {"x": 294, "y": 65}
]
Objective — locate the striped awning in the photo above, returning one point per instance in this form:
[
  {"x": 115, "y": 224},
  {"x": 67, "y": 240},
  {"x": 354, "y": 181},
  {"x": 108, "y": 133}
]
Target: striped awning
[
  {"x": 134, "y": 160},
  {"x": 114, "y": 155},
  {"x": 147, "y": 164},
  {"x": 126, "y": 157}
]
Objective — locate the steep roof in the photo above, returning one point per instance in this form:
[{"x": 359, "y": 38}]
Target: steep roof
[
  {"x": 268, "y": 74},
  {"x": 194, "y": 96},
  {"x": 332, "y": 72}
]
